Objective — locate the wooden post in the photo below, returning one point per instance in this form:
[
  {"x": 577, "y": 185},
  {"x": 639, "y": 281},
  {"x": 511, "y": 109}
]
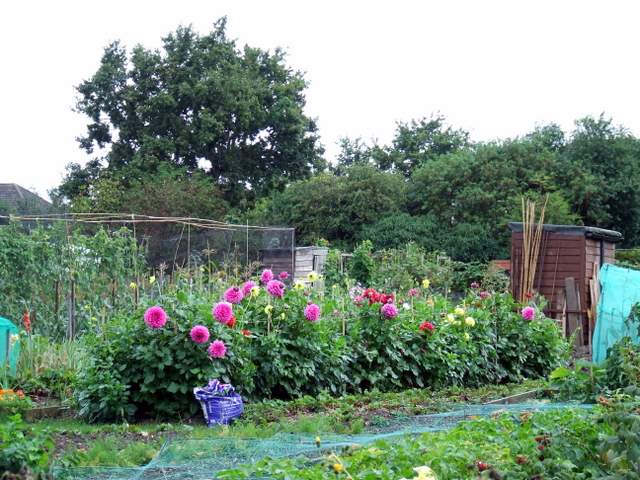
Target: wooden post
[
  {"x": 71, "y": 308},
  {"x": 56, "y": 286}
]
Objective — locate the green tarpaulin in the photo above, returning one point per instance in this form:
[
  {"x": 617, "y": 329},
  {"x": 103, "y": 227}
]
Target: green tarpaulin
[
  {"x": 9, "y": 345},
  {"x": 620, "y": 291}
]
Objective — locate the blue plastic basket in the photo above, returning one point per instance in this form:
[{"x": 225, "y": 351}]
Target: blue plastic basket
[{"x": 219, "y": 410}]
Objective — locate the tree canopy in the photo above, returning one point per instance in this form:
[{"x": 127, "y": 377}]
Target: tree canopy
[
  {"x": 203, "y": 127},
  {"x": 198, "y": 103}
]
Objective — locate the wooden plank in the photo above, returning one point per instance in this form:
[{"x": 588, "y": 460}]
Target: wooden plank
[
  {"x": 517, "y": 398},
  {"x": 562, "y": 252},
  {"x": 574, "y": 320},
  {"x": 552, "y": 240}
]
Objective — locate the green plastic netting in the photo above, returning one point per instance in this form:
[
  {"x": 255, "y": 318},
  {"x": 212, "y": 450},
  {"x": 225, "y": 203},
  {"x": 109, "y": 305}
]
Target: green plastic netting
[{"x": 201, "y": 459}]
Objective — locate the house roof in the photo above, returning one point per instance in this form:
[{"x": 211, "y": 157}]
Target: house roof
[{"x": 19, "y": 198}]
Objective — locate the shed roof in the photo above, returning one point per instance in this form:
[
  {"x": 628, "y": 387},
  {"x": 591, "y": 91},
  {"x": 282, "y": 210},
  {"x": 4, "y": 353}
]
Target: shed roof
[
  {"x": 18, "y": 197},
  {"x": 577, "y": 230}
]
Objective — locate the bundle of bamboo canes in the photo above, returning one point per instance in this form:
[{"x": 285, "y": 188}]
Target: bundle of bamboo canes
[{"x": 531, "y": 239}]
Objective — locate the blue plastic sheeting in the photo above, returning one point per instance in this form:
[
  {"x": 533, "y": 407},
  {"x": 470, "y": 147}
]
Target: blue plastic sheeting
[{"x": 620, "y": 290}]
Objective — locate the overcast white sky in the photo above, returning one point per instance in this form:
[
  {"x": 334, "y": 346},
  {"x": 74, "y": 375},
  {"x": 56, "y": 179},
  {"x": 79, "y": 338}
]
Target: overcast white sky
[{"x": 495, "y": 68}]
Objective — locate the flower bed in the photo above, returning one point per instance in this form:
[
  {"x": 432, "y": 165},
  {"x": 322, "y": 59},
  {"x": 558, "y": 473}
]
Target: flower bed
[{"x": 274, "y": 341}]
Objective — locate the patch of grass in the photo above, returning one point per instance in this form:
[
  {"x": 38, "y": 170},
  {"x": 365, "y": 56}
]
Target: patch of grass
[{"x": 114, "y": 452}]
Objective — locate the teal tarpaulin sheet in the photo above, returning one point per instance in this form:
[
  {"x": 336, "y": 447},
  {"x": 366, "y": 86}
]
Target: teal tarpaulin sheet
[
  {"x": 9, "y": 345},
  {"x": 620, "y": 290}
]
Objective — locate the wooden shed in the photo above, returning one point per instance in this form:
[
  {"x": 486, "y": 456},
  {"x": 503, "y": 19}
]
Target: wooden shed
[
  {"x": 310, "y": 259},
  {"x": 566, "y": 275},
  {"x": 299, "y": 261}
]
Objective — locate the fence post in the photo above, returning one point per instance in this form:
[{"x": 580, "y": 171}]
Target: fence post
[{"x": 71, "y": 306}]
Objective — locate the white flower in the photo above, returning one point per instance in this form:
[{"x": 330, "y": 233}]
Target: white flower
[{"x": 406, "y": 306}]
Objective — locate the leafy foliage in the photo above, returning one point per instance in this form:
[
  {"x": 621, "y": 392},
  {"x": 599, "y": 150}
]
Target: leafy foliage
[
  {"x": 335, "y": 207},
  {"x": 199, "y": 98},
  {"x": 564, "y": 443},
  {"x": 24, "y": 451},
  {"x": 587, "y": 381},
  {"x": 275, "y": 352},
  {"x": 37, "y": 266}
]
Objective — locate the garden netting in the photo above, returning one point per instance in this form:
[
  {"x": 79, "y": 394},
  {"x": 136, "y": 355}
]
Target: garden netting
[
  {"x": 66, "y": 269},
  {"x": 200, "y": 459},
  {"x": 620, "y": 291}
]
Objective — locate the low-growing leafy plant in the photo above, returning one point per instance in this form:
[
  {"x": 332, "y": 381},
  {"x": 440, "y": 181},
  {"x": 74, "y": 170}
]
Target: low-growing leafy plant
[{"x": 24, "y": 451}]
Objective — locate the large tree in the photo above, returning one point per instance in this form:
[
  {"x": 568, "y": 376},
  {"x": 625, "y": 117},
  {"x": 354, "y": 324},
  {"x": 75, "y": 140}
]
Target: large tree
[
  {"x": 198, "y": 103},
  {"x": 415, "y": 144},
  {"x": 599, "y": 170}
]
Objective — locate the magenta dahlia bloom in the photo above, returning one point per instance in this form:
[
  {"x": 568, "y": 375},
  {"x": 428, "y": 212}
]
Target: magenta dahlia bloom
[
  {"x": 389, "y": 310},
  {"x": 155, "y": 317},
  {"x": 199, "y": 334},
  {"x": 233, "y": 295},
  {"x": 312, "y": 312},
  {"x": 275, "y": 288},
  {"x": 413, "y": 292},
  {"x": 528, "y": 313},
  {"x": 217, "y": 349},
  {"x": 484, "y": 295},
  {"x": 267, "y": 276},
  {"x": 222, "y": 312},
  {"x": 283, "y": 275},
  {"x": 247, "y": 286}
]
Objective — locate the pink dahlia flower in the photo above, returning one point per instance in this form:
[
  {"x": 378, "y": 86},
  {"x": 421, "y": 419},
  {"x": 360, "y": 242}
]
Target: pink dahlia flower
[
  {"x": 312, "y": 312},
  {"x": 275, "y": 288},
  {"x": 267, "y": 276},
  {"x": 389, "y": 310},
  {"x": 528, "y": 313},
  {"x": 217, "y": 349},
  {"x": 484, "y": 295},
  {"x": 200, "y": 334},
  {"x": 222, "y": 312},
  {"x": 155, "y": 317},
  {"x": 413, "y": 292},
  {"x": 233, "y": 295},
  {"x": 247, "y": 286},
  {"x": 283, "y": 275}
]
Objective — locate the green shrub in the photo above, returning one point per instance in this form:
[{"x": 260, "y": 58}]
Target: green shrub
[{"x": 275, "y": 352}]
